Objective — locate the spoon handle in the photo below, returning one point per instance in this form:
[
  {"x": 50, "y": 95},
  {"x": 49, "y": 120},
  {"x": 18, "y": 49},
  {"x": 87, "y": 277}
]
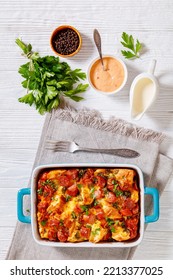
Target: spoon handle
[{"x": 97, "y": 40}]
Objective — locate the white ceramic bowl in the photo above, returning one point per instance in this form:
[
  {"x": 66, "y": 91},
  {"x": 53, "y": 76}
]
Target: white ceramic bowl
[
  {"x": 33, "y": 218},
  {"x": 111, "y": 92}
]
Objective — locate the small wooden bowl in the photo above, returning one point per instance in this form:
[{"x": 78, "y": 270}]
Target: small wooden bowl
[{"x": 56, "y": 31}]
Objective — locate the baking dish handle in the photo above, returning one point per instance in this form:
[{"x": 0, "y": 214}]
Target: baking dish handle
[
  {"x": 21, "y": 217},
  {"x": 155, "y": 195}
]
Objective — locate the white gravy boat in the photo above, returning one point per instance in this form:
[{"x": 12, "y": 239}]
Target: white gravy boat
[{"x": 143, "y": 92}]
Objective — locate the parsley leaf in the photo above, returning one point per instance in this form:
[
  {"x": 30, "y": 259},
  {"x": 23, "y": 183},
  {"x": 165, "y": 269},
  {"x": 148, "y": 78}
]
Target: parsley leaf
[
  {"x": 118, "y": 193},
  {"x": 96, "y": 231},
  {"x": 85, "y": 208},
  {"x": 47, "y": 80},
  {"x": 110, "y": 221},
  {"x": 61, "y": 223},
  {"x": 73, "y": 215},
  {"x": 79, "y": 186},
  {"x": 129, "y": 43},
  {"x": 49, "y": 183},
  {"x": 44, "y": 222},
  {"x": 40, "y": 191},
  {"x": 67, "y": 198},
  {"x": 112, "y": 229}
]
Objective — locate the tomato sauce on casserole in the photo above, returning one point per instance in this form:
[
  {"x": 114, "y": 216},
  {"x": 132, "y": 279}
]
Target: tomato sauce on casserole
[{"x": 88, "y": 204}]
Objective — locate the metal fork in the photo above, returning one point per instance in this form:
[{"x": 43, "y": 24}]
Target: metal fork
[{"x": 71, "y": 147}]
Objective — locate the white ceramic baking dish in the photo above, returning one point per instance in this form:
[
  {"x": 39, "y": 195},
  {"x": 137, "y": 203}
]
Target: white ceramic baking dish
[{"x": 33, "y": 220}]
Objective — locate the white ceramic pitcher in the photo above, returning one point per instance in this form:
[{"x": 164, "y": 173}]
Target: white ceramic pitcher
[{"x": 143, "y": 92}]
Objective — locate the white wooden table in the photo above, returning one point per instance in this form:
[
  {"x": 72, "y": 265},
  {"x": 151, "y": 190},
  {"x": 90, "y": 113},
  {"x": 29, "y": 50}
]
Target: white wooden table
[{"x": 150, "y": 21}]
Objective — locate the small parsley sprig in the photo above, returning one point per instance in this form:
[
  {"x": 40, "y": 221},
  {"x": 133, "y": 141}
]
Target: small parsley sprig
[
  {"x": 46, "y": 80},
  {"x": 129, "y": 43}
]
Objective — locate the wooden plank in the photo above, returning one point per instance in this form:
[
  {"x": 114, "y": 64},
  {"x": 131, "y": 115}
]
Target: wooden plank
[
  {"x": 155, "y": 242},
  {"x": 166, "y": 214},
  {"x": 8, "y": 198},
  {"x": 6, "y": 234}
]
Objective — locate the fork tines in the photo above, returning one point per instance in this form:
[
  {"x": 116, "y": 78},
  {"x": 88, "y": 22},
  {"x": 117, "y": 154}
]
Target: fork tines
[{"x": 57, "y": 145}]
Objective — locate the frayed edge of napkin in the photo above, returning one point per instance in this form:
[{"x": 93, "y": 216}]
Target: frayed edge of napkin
[{"x": 93, "y": 118}]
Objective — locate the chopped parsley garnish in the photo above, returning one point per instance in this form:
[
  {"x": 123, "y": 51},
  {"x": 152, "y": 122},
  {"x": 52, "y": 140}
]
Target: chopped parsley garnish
[
  {"x": 54, "y": 198},
  {"x": 92, "y": 189},
  {"x": 112, "y": 229},
  {"x": 118, "y": 193},
  {"x": 79, "y": 186},
  {"x": 40, "y": 191},
  {"x": 28, "y": 210},
  {"x": 123, "y": 225},
  {"x": 110, "y": 221},
  {"x": 67, "y": 198},
  {"x": 116, "y": 205},
  {"x": 61, "y": 223},
  {"x": 114, "y": 188},
  {"x": 127, "y": 193},
  {"x": 73, "y": 215},
  {"x": 81, "y": 173},
  {"x": 49, "y": 183},
  {"x": 95, "y": 180},
  {"x": 88, "y": 226},
  {"x": 92, "y": 192},
  {"x": 96, "y": 202},
  {"x": 101, "y": 175},
  {"x": 43, "y": 223},
  {"x": 77, "y": 235},
  {"x": 85, "y": 208},
  {"x": 96, "y": 231},
  {"x": 105, "y": 190}
]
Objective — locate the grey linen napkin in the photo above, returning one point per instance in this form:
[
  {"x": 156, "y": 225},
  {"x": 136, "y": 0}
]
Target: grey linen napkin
[{"x": 88, "y": 128}]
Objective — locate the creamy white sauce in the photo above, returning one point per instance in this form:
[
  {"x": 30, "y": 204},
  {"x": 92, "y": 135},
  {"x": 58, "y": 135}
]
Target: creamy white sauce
[{"x": 143, "y": 95}]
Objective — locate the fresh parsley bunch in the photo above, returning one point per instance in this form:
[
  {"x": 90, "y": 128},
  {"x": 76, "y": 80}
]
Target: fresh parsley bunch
[
  {"x": 47, "y": 79},
  {"x": 129, "y": 43}
]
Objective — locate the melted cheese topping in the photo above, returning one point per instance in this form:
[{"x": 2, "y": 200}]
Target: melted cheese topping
[
  {"x": 135, "y": 196},
  {"x": 86, "y": 195},
  {"x": 69, "y": 208},
  {"x": 109, "y": 210},
  {"x": 124, "y": 176},
  {"x": 55, "y": 174},
  {"x": 97, "y": 232},
  {"x": 120, "y": 234}
]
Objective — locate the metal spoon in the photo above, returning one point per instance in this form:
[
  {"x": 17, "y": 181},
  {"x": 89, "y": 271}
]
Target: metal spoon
[{"x": 97, "y": 40}]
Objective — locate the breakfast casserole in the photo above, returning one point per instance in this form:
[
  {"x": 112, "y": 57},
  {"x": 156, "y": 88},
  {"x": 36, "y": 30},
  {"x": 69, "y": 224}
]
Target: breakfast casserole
[{"x": 88, "y": 204}]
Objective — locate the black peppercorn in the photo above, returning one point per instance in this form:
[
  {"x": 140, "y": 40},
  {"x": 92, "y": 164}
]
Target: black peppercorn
[{"x": 66, "y": 41}]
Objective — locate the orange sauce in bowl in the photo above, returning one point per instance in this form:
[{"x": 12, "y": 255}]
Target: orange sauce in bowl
[{"x": 111, "y": 78}]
